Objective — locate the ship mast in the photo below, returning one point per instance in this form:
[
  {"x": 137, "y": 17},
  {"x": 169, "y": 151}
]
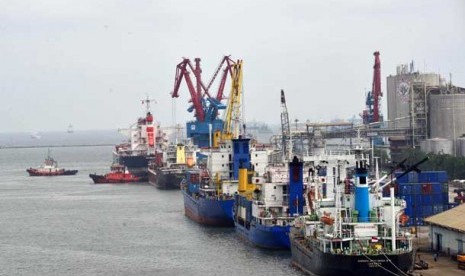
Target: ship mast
[{"x": 147, "y": 103}]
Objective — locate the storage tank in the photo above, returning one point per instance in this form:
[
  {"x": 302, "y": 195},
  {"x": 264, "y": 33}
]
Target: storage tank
[
  {"x": 447, "y": 115},
  {"x": 425, "y": 145},
  {"x": 460, "y": 146}
]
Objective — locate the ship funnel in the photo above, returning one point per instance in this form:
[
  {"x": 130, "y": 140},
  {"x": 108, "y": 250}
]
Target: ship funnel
[
  {"x": 296, "y": 187},
  {"x": 362, "y": 203},
  {"x": 240, "y": 156}
]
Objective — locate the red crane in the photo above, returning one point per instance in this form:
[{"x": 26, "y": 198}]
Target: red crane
[
  {"x": 205, "y": 109},
  {"x": 376, "y": 89}
]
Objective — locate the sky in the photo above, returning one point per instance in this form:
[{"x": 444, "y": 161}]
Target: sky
[{"x": 90, "y": 63}]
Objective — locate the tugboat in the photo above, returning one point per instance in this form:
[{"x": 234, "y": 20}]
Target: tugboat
[
  {"x": 208, "y": 191},
  {"x": 50, "y": 168},
  {"x": 354, "y": 230},
  {"x": 169, "y": 174},
  {"x": 118, "y": 174},
  {"x": 265, "y": 207},
  {"x": 145, "y": 140}
]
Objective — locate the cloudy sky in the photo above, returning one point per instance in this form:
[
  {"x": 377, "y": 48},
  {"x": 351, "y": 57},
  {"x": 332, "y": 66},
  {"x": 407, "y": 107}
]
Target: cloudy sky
[{"x": 89, "y": 63}]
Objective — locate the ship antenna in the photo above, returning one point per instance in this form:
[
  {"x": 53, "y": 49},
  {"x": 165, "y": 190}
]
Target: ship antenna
[{"x": 147, "y": 103}]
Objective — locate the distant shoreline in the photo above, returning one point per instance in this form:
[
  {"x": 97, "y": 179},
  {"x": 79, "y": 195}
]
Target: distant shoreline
[{"x": 54, "y": 146}]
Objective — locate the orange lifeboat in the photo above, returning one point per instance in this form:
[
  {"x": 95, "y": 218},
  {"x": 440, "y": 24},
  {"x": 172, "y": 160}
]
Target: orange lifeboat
[
  {"x": 327, "y": 219},
  {"x": 404, "y": 219}
]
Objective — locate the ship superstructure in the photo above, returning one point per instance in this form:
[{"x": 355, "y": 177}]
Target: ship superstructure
[
  {"x": 169, "y": 170},
  {"x": 354, "y": 230},
  {"x": 266, "y": 205},
  {"x": 145, "y": 141},
  {"x": 209, "y": 191}
]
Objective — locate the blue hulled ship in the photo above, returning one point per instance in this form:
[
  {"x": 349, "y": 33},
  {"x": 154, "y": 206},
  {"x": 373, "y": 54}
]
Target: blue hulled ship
[
  {"x": 209, "y": 191},
  {"x": 265, "y": 206}
]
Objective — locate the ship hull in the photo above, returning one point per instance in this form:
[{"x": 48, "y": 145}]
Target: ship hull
[
  {"x": 33, "y": 172},
  {"x": 313, "y": 261},
  {"x": 209, "y": 211},
  {"x": 270, "y": 237},
  {"x": 136, "y": 164},
  {"x": 101, "y": 179},
  {"x": 165, "y": 179}
]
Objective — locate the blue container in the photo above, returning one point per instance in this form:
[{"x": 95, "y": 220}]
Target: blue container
[
  {"x": 437, "y": 188},
  {"x": 427, "y": 200},
  {"x": 427, "y": 210},
  {"x": 404, "y": 179},
  {"x": 437, "y": 199},
  {"x": 431, "y": 176},
  {"x": 405, "y": 189},
  {"x": 442, "y": 177},
  {"x": 445, "y": 198},
  {"x": 438, "y": 209},
  {"x": 416, "y": 188}
]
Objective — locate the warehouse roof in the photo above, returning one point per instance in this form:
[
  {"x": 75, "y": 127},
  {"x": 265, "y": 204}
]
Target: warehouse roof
[{"x": 453, "y": 219}]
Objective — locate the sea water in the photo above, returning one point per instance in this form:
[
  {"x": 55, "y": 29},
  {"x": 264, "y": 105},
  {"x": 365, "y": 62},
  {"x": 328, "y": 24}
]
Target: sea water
[{"x": 65, "y": 225}]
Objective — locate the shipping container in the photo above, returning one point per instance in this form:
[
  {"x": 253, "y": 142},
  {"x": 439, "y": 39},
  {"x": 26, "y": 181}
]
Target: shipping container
[
  {"x": 423, "y": 177},
  {"x": 445, "y": 198},
  {"x": 427, "y": 211},
  {"x": 437, "y": 199},
  {"x": 438, "y": 209},
  {"x": 405, "y": 189},
  {"x": 437, "y": 188}
]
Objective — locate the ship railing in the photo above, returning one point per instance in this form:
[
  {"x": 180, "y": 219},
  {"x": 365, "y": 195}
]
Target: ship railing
[
  {"x": 349, "y": 220},
  {"x": 282, "y": 221}
]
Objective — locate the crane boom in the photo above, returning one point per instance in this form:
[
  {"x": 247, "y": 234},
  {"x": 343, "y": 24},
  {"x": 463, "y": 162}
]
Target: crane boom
[
  {"x": 376, "y": 88},
  {"x": 232, "y": 121}
]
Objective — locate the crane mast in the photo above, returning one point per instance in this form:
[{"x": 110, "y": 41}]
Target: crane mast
[
  {"x": 372, "y": 113},
  {"x": 285, "y": 129},
  {"x": 232, "y": 116},
  {"x": 376, "y": 89}
]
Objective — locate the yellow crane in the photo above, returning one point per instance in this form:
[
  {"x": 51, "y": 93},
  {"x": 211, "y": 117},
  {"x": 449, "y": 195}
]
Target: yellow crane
[{"x": 232, "y": 116}]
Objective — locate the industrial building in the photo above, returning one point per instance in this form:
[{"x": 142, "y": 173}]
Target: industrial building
[
  {"x": 430, "y": 110},
  {"x": 447, "y": 231}
]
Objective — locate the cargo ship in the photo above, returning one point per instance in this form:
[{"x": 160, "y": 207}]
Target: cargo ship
[
  {"x": 118, "y": 174},
  {"x": 145, "y": 140},
  {"x": 266, "y": 206},
  {"x": 50, "y": 168},
  {"x": 208, "y": 191},
  {"x": 353, "y": 230},
  {"x": 167, "y": 171}
]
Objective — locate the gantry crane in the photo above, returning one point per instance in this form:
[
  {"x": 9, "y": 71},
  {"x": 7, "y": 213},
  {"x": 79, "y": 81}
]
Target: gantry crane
[{"x": 205, "y": 105}]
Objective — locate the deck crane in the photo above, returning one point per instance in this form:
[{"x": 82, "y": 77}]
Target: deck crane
[
  {"x": 285, "y": 130},
  {"x": 232, "y": 116},
  {"x": 205, "y": 105},
  {"x": 372, "y": 112}
]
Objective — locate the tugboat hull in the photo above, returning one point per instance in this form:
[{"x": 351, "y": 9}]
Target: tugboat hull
[
  {"x": 34, "y": 172},
  {"x": 102, "y": 179}
]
